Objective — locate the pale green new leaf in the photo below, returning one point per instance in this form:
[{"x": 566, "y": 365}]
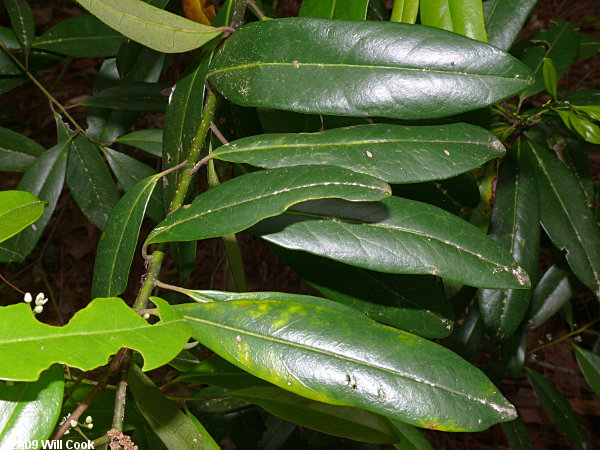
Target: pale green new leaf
[
  {"x": 343, "y": 359},
  {"x": 335, "y": 9},
  {"x": 460, "y": 16},
  {"x": 27, "y": 346},
  {"x": 243, "y": 201},
  {"x": 393, "y": 153},
  {"x": 155, "y": 28},
  {"x": 18, "y": 209},
  {"x": 29, "y": 411}
]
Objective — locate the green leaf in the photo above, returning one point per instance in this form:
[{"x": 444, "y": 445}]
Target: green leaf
[
  {"x": 150, "y": 140},
  {"x": 517, "y": 435},
  {"x": 412, "y": 303},
  {"x": 29, "y": 411},
  {"x": 90, "y": 182},
  {"x": 243, "y": 201},
  {"x": 86, "y": 342},
  {"x": 368, "y": 365},
  {"x": 134, "y": 96},
  {"x": 342, "y": 421},
  {"x": 584, "y": 127},
  {"x": 405, "y": 11},
  {"x": 174, "y": 428},
  {"x": 558, "y": 408},
  {"x": 568, "y": 221},
  {"x": 37, "y": 61},
  {"x": 552, "y": 292},
  {"x": 17, "y": 152},
  {"x": 589, "y": 363},
  {"x": 396, "y": 236},
  {"x": 118, "y": 242},
  {"x": 589, "y": 45},
  {"x": 575, "y": 157},
  {"x": 557, "y": 44},
  {"x": 504, "y": 19},
  {"x": 333, "y": 9},
  {"x": 377, "y": 10},
  {"x": 393, "y": 153},
  {"x": 22, "y": 21},
  {"x": 160, "y": 30},
  {"x": 412, "y": 438},
  {"x": 550, "y": 77},
  {"x": 460, "y": 16},
  {"x": 306, "y": 58},
  {"x": 44, "y": 179},
  {"x": 9, "y": 83},
  {"x": 81, "y": 37},
  {"x": 18, "y": 210},
  {"x": 515, "y": 226},
  {"x": 129, "y": 171}
]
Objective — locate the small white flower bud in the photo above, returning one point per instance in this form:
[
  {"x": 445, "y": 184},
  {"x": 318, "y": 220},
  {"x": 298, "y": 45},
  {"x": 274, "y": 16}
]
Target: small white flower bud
[
  {"x": 28, "y": 298},
  {"x": 88, "y": 419},
  {"x": 38, "y": 309},
  {"x": 90, "y": 425},
  {"x": 67, "y": 431},
  {"x": 146, "y": 316},
  {"x": 40, "y": 296},
  {"x": 73, "y": 423}
]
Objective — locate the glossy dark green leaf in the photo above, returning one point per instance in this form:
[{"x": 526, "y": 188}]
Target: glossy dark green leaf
[
  {"x": 368, "y": 365},
  {"x": 129, "y": 171},
  {"x": 589, "y": 45},
  {"x": 36, "y": 61},
  {"x": 150, "y": 140},
  {"x": 587, "y": 129},
  {"x": 342, "y": 421},
  {"x": 90, "y": 182},
  {"x": 396, "y": 236},
  {"x": 575, "y": 157},
  {"x": 515, "y": 226},
  {"x": 460, "y": 16},
  {"x": 29, "y": 411},
  {"x": 138, "y": 63},
  {"x": 393, "y": 153},
  {"x": 557, "y": 44},
  {"x": 558, "y": 408},
  {"x": 119, "y": 239},
  {"x": 412, "y": 438},
  {"x": 241, "y": 202},
  {"x": 517, "y": 435},
  {"x": 18, "y": 209},
  {"x": 333, "y": 9},
  {"x": 174, "y": 428},
  {"x": 589, "y": 363},
  {"x": 405, "y": 11},
  {"x": 504, "y": 19},
  {"x": 514, "y": 351},
  {"x": 9, "y": 83},
  {"x": 555, "y": 288},
  {"x": 567, "y": 219},
  {"x": 44, "y": 179},
  {"x": 22, "y": 21},
  {"x": 466, "y": 338},
  {"x": 412, "y": 303},
  {"x": 382, "y": 74},
  {"x": 81, "y": 37},
  {"x": 17, "y": 152},
  {"x": 550, "y": 77},
  {"x": 135, "y": 96},
  {"x": 151, "y": 26}
]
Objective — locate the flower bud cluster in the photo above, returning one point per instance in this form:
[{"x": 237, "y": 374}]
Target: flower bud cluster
[{"x": 40, "y": 301}]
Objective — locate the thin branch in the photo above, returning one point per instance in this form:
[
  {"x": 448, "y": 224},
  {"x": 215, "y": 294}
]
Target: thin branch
[
  {"x": 566, "y": 336},
  {"x": 257, "y": 10},
  {"x": 218, "y": 134},
  {"x": 11, "y": 285}
]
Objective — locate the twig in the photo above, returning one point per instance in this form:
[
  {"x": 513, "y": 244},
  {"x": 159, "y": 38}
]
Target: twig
[
  {"x": 11, "y": 285},
  {"x": 257, "y": 10},
  {"x": 218, "y": 134},
  {"x": 566, "y": 336}
]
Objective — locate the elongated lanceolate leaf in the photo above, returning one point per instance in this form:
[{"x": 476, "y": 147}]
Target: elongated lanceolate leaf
[
  {"x": 383, "y": 73},
  {"x": 566, "y": 217},
  {"x": 334, "y": 9},
  {"x": 174, "y": 428},
  {"x": 18, "y": 209},
  {"x": 149, "y": 140},
  {"x": 44, "y": 179},
  {"x": 412, "y": 438},
  {"x": 131, "y": 97},
  {"x": 589, "y": 363},
  {"x": 17, "y": 152},
  {"x": 517, "y": 435},
  {"x": 410, "y": 302},
  {"x": 552, "y": 292},
  {"x": 396, "y": 235},
  {"x": 342, "y": 359},
  {"x": 515, "y": 226},
  {"x": 558, "y": 408},
  {"x": 22, "y": 21},
  {"x": 160, "y": 30},
  {"x": 460, "y": 16},
  {"x": 118, "y": 242},
  {"x": 504, "y": 20},
  {"x": 394, "y": 153},
  {"x": 343, "y": 421},
  {"x": 405, "y": 11},
  {"x": 90, "y": 182},
  {"x": 29, "y": 411},
  {"x": 82, "y": 37},
  {"x": 27, "y": 346},
  {"x": 241, "y": 202}
]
